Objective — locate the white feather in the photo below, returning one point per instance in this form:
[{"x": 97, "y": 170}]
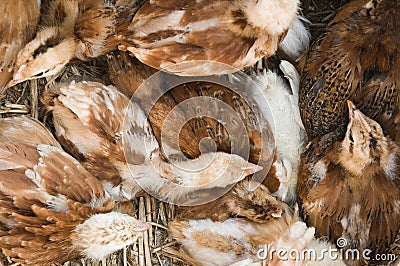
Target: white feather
[
  {"x": 297, "y": 39},
  {"x": 280, "y": 107},
  {"x": 274, "y": 15}
]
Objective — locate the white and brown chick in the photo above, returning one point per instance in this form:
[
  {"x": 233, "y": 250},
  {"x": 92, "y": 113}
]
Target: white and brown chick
[
  {"x": 238, "y": 241},
  {"x": 53, "y": 210},
  {"x": 17, "y": 27},
  {"x": 351, "y": 190},
  {"x": 113, "y": 138},
  {"x": 73, "y": 29},
  {"x": 162, "y": 34},
  {"x": 190, "y": 37},
  {"x": 195, "y": 128}
]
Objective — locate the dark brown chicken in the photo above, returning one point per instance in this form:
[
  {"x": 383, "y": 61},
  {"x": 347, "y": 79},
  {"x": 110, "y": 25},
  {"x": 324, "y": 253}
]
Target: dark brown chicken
[
  {"x": 352, "y": 190},
  {"x": 356, "y": 59}
]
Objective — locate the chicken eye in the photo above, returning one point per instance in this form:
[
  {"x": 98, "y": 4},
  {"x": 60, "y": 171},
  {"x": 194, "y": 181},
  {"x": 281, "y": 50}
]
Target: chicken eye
[
  {"x": 372, "y": 142},
  {"x": 39, "y": 74},
  {"x": 351, "y": 138}
]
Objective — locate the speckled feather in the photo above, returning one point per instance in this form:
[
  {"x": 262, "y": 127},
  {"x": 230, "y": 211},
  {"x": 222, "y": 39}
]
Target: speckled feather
[{"x": 357, "y": 59}]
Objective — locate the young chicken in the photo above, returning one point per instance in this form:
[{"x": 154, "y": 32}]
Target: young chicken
[
  {"x": 356, "y": 59},
  {"x": 277, "y": 100},
  {"x": 14, "y": 129},
  {"x": 238, "y": 241},
  {"x": 82, "y": 29},
  {"x": 210, "y": 116},
  {"x": 196, "y": 130},
  {"x": 351, "y": 190},
  {"x": 53, "y": 210},
  {"x": 241, "y": 201},
  {"x": 17, "y": 26},
  {"x": 97, "y": 124},
  {"x": 113, "y": 139},
  {"x": 162, "y": 34},
  {"x": 188, "y": 182},
  {"x": 201, "y": 38}
]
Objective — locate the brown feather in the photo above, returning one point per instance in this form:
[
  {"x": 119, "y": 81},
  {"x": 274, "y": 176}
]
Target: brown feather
[
  {"x": 13, "y": 129},
  {"x": 350, "y": 189},
  {"x": 17, "y": 26},
  {"x": 356, "y": 59},
  {"x": 165, "y": 35}
]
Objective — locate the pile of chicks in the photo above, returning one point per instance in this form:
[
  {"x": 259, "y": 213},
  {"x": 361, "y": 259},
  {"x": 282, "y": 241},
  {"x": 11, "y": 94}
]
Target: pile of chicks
[{"x": 325, "y": 141}]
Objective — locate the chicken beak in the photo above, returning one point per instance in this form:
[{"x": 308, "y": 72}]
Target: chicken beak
[
  {"x": 277, "y": 214},
  {"x": 18, "y": 77},
  {"x": 356, "y": 115},
  {"x": 141, "y": 227},
  {"x": 12, "y": 83},
  {"x": 352, "y": 108},
  {"x": 251, "y": 168}
]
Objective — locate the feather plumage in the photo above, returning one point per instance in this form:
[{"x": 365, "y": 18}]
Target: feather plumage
[
  {"x": 99, "y": 125},
  {"x": 351, "y": 189},
  {"x": 53, "y": 208},
  {"x": 238, "y": 241},
  {"x": 17, "y": 26},
  {"x": 186, "y": 39},
  {"x": 356, "y": 59},
  {"x": 13, "y": 129}
]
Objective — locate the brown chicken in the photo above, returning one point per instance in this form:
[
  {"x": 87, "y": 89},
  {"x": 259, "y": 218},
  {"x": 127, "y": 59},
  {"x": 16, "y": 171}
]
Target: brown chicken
[
  {"x": 201, "y": 38},
  {"x": 89, "y": 120},
  {"x": 242, "y": 242},
  {"x": 235, "y": 33},
  {"x": 17, "y": 25},
  {"x": 257, "y": 205},
  {"x": 114, "y": 140},
  {"x": 352, "y": 190},
  {"x": 356, "y": 59},
  {"x": 82, "y": 29},
  {"x": 53, "y": 210}
]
